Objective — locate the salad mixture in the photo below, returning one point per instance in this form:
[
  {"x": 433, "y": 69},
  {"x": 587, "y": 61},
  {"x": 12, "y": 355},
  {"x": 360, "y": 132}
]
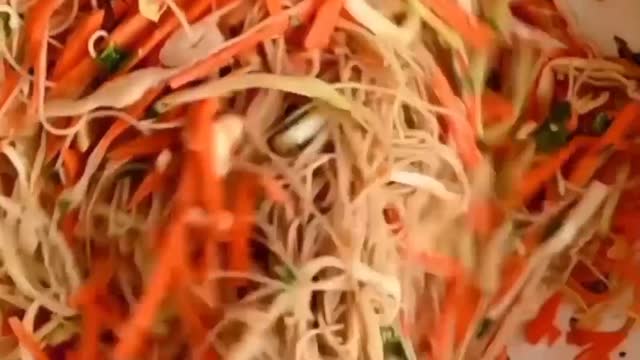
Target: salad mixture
[{"x": 318, "y": 179}]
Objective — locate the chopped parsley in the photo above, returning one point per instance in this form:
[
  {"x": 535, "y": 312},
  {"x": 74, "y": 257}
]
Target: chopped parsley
[
  {"x": 553, "y": 134},
  {"x": 112, "y": 58},
  {"x": 601, "y": 123},
  {"x": 64, "y": 205},
  {"x": 483, "y": 327},
  {"x": 392, "y": 343},
  {"x": 152, "y": 113}
]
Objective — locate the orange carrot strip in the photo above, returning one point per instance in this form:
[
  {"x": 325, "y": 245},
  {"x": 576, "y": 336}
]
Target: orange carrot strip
[
  {"x": 244, "y": 209},
  {"x": 586, "y": 168},
  {"x": 71, "y": 163},
  {"x": 274, "y": 6},
  {"x": 36, "y": 28},
  {"x": 622, "y": 122},
  {"x": 466, "y": 299},
  {"x": 542, "y": 326},
  {"x": 136, "y": 110},
  {"x": 535, "y": 178},
  {"x": 443, "y": 338},
  {"x": 460, "y": 130},
  {"x": 129, "y": 31},
  {"x": 144, "y": 145},
  {"x": 441, "y": 265},
  {"x": 8, "y": 86},
  {"x": 75, "y": 48},
  {"x": 272, "y": 27},
  {"x": 323, "y": 25},
  {"x": 135, "y": 329},
  {"x": 484, "y": 217},
  {"x": 27, "y": 339},
  {"x": 69, "y": 223},
  {"x": 151, "y": 183},
  {"x": 512, "y": 270},
  {"x": 600, "y": 344},
  {"x": 91, "y": 327},
  {"x": 190, "y": 318},
  {"x": 476, "y": 33},
  {"x": 55, "y": 143},
  {"x": 76, "y": 44},
  {"x": 495, "y": 107},
  {"x": 102, "y": 270},
  {"x": 202, "y": 143},
  {"x": 74, "y": 83},
  {"x": 167, "y": 24}
]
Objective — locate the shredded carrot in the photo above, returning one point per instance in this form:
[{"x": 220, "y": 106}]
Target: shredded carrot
[
  {"x": 274, "y": 6},
  {"x": 245, "y": 203},
  {"x": 71, "y": 162},
  {"x": 476, "y": 33},
  {"x": 201, "y": 143},
  {"x": 533, "y": 181},
  {"x": 484, "y": 217},
  {"x": 460, "y": 130},
  {"x": 573, "y": 123},
  {"x": 8, "y": 86},
  {"x": 151, "y": 183},
  {"x": 168, "y": 23},
  {"x": 323, "y": 24},
  {"x": 136, "y": 110},
  {"x": 91, "y": 327},
  {"x": 503, "y": 355},
  {"x": 73, "y": 84},
  {"x": 135, "y": 329},
  {"x": 36, "y": 27},
  {"x": 272, "y": 27},
  {"x": 69, "y": 223},
  {"x": 130, "y": 30},
  {"x": 495, "y": 107},
  {"x": 76, "y": 46},
  {"x": 621, "y": 125},
  {"x": 599, "y": 344},
  {"x": 441, "y": 265},
  {"x": 586, "y": 168},
  {"x": 542, "y": 326},
  {"x": 512, "y": 271},
  {"x": 442, "y": 340},
  {"x": 190, "y": 318},
  {"x": 144, "y": 145},
  {"x": 102, "y": 270},
  {"x": 467, "y": 300},
  {"x": 27, "y": 339}
]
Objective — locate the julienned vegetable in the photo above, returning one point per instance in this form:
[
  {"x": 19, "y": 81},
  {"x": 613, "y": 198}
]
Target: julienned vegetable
[
  {"x": 601, "y": 123},
  {"x": 553, "y": 133},
  {"x": 304, "y": 179},
  {"x": 112, "y": 58}
]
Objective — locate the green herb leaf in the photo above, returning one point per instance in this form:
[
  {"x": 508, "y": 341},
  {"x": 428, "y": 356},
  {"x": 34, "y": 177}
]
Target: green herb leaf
[
  {"x": 601, "y": 123},
  {"x": 483, "y": 327},
  {"x": 151, "y": 113},
  {"x": 392, "y": 344},
  {"x": 553, "y": 134},
  {"x": 64, "y": 205},
  {"x": 112, "y": 58}
]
